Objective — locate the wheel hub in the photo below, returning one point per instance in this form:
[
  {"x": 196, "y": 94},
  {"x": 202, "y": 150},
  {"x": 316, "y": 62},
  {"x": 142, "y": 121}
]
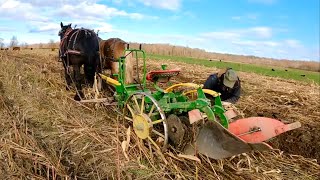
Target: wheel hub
[{"x": 141, "y": 125}]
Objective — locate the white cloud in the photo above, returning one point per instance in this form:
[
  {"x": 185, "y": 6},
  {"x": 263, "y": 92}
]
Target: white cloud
[
  {"x": 46, "y": 10},
  {"x": 253, "y": 32},
  {"x": 256, "y": 43},
  {"x": 88, "y": 11},
  {"x": 95, "y": 11},
  {"x": 56, "y": 3},
  {"x": 13, "y": 9},
  {"x": 221, "y": 35},
  {"x": 2, "y": 28},
  {"x": 250, "y": 17},
  {"x": 163, "y": 4},
  {"x": 182, "y": 15},
  {"x": 45, "y": 27},
  {"x": 104, "y": 27},
  {"x": 293, "y": 43},
  {"x": 11, "y": 4},
  {"x": 263, "y": 32}
]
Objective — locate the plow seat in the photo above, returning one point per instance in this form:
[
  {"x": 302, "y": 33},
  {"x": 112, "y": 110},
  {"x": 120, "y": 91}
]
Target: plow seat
[{"x": 162, "y": 75}]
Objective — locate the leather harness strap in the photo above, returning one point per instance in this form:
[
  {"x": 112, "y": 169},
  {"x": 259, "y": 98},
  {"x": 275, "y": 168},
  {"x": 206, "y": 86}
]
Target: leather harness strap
[{"x": 112, "y": 50}]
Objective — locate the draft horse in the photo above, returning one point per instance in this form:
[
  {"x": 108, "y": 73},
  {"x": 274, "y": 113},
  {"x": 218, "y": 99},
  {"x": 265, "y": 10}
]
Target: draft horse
[
  {"x": 79, "y": 47},
  {"x": 110, "y": 51}
]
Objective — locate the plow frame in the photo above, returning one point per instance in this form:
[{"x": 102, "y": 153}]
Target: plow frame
[{"x": 171, "y": 101}]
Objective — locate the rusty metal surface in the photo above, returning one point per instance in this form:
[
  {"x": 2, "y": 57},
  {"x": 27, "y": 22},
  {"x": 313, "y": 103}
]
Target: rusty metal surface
[{"x": 176, "y": 130}]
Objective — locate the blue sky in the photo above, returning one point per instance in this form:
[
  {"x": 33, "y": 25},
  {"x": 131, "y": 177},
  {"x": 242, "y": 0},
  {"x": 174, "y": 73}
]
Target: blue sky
[{"x": 287, "y": 29}]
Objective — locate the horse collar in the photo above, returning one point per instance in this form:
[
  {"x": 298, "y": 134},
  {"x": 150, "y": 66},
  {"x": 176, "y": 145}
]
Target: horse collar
[
  {"x": 67, "y": 32},
  {"x": 112, "y": 50}
]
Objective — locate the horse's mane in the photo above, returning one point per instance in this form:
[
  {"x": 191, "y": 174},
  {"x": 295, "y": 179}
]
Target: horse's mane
[
  {"x": 117, "y": 40},
  {"x": 80, "y": 39}
]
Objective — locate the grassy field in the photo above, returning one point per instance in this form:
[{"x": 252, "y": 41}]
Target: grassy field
[{"x": 295, "y": 74}]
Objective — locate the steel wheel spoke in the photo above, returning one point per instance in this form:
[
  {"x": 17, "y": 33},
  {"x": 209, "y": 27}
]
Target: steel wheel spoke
[
  {"x": 131, "y": 110},
  {"x": 157, "y": 133},
  {"x": 152, "y": 108},
  {"x": 128, "y": 118},
  {"x": 157, "y": 121},
  {"x": 154, "y": 143},
  {"x": 142, "y": 105},
  {"x": 136, "y": 102}
]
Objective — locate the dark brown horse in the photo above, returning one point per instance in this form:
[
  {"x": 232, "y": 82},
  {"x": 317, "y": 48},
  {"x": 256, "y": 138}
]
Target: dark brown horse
[
  {"x": 79, "y": 47},
  {"x": 110, "y": 51}
]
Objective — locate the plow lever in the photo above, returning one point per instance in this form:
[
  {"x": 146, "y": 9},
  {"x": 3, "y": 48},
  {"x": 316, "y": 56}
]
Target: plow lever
[{"x": 255, "y": 129}]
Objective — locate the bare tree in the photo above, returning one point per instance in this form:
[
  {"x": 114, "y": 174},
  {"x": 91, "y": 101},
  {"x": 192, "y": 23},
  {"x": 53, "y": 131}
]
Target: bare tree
[
  {"x": 25, "y": 45},
  {"x": 14, "y": 41},
  {"x": 51, "y": 44},
  {"x": 1, "y": 43}
]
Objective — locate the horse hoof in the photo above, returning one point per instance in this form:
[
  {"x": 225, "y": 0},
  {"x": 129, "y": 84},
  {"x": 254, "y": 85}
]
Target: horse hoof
[{"x": 77, "y": 98}]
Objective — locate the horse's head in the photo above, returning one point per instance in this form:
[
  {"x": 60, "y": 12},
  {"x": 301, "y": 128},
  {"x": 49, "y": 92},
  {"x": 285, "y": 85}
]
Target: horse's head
[
  {"x": 116, "y": 47},
  {"x": 64, "y": 29}
]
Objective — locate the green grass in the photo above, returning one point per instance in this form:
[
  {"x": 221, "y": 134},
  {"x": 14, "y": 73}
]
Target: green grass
[{"x": 294, "y": 74}]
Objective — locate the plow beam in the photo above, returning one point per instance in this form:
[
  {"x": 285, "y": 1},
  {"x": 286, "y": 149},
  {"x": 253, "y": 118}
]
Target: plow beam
[
  {"x": 110, "y": 80},
  {"x": 259, "y": 129}
]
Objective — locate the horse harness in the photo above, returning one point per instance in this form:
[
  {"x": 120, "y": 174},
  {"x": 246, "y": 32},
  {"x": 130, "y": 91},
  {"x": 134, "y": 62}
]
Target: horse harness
[
  {"x": 65, "y": 40},
  {"x": 111, "y": 48},
  {"x": 68, "y": 51}
]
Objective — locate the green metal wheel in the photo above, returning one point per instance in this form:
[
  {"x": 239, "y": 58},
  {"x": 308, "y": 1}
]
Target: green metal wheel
[{"x": 147, "y": 119}]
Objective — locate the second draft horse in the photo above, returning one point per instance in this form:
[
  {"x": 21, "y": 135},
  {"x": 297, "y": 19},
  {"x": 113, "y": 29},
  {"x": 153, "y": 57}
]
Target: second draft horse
[{"x": 110, "y": 52}]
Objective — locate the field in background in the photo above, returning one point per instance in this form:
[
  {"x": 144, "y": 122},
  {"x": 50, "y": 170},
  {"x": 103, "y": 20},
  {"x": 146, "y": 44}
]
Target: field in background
[
  {"x": 295, "y": 74},
  {"x": 170, "y": 50}
]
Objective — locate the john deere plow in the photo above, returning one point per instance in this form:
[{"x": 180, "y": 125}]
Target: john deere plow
[{"x": 182, "y": 116}]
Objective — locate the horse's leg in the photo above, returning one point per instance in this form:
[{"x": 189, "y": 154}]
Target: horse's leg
[
  {"x": 129, "y": 69},
  {"x": 67, "y": 75},
  {"x": 89, "y": 71},
  {"x": 99, "y": 68},
  {"x": 114, "y": 69},
  {"x": 77, "y": 77}
]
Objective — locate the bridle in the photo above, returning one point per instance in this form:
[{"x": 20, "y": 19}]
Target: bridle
[
  {"x": 112, "y": 47},
  {"x": 64, "y": 37}
]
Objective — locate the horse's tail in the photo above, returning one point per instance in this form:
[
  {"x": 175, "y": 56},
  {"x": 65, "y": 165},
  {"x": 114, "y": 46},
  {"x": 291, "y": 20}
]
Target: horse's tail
[{"x": 89, "y": 44}]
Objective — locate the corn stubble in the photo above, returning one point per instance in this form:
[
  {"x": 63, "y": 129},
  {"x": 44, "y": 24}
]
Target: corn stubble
[{"x": 44, "y": 134}]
